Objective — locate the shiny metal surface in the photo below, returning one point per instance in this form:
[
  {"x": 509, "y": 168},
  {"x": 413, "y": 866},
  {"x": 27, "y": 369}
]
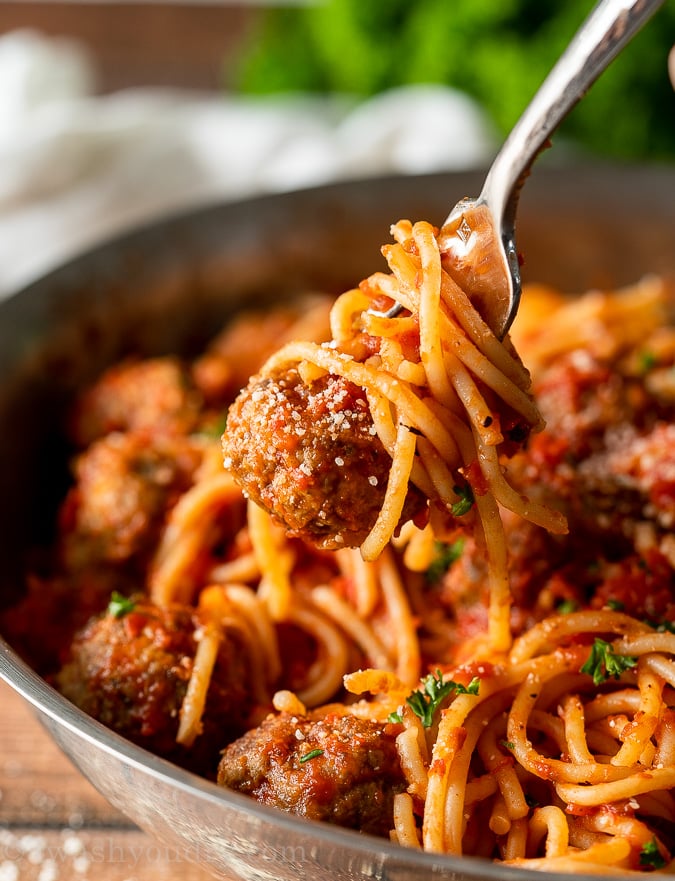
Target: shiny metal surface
[
  {"x": 169, "y": 287},
  {"x": 607, "y": 30}
]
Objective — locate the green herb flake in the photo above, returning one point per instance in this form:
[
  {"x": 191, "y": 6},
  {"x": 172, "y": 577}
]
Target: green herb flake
[
  {"x": 395, "y": 718},
  {"x": 507, "y": 744},
  {"x": 119, "y": 605},
  {"x": 566, "y": 607},
  {"x": 444, "y": 556},
  {"x": 651, "y": 856},
  {"x": 615, "y": 605},
  {"x": 662, "y": 626},
  {"x": 434, "y": 691},
  {"x": 214, "y": 430},
  {"x": 312, "y": 754},
  {"x": 465, "y": 503},
  {"x": 603, "y": 662},
  {"x": 647, "y": 361}
]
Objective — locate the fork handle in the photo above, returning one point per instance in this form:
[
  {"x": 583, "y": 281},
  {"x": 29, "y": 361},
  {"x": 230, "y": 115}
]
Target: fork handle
[{"x": 609, "y": 27}]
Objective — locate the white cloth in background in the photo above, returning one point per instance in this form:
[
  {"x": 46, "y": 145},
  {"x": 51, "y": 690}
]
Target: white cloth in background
[{"x": 76, "y": 168}]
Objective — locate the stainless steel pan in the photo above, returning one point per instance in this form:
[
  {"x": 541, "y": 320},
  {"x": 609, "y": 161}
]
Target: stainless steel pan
[{"x": 169, "y": 287}]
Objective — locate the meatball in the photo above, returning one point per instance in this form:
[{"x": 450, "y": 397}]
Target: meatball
[
  {"x": 607, "y": 457},
  {"x": 309, "y": 455},
  {"x": 647, "y": 464},
  {"x": 155, "y": 395},
  {"x": 583, "y": 400},
  {"x": 130, "y": 671},
  {"x": 124, "y": 486},
  {"x": 249, "y": 339},
  {"x": 339, "y": 769},
  {"x": 606, "y": 452}
]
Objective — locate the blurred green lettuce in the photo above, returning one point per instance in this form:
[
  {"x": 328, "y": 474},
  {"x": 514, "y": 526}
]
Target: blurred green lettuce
[{"x": 498, "y": 51}]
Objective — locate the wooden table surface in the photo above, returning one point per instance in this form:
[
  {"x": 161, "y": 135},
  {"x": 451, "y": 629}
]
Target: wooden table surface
[{"x": 54, "y": 826}]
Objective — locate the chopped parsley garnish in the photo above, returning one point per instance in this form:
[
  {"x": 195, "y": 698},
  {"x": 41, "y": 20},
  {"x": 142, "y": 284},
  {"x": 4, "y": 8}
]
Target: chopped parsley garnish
[
  {"x": 567, "y": 607},
  {"x": 507, "y": 744},
  {"x": 603, "y": 662},
  {"x": 214, "y": 429},
  {"x": 662, "y": 626},
  {"x": 312, "y": 754},
  {"x": 615, "y": 605},
  {"x": 444, "y": 556},
  {"x": 647, "y": 360},
  {"x": 650, "y": 855},
  {"x": 425, "y": 703},
  {"x": 395, "y": 718},
  {"x": 465, "y": 503},
  {"x": 119, "y": 605}
]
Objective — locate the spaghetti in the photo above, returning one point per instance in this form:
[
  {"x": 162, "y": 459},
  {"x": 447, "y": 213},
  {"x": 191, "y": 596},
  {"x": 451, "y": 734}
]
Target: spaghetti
[
  {"x": 472, "y": 679},
  {"x": 427, "y": 377}
]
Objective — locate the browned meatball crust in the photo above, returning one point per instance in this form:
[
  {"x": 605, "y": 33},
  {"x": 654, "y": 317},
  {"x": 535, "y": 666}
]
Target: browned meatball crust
[
  {"x": 246, "y": 342},
  {"x": 309, "y": 455},
  {"x": 155, "y": 395},
  {"x": 131, "y": 673},
  {"x": 339, "y": 769},
  {"x": 607, "y": 457},
  {"x": 125, "y": 484}
]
